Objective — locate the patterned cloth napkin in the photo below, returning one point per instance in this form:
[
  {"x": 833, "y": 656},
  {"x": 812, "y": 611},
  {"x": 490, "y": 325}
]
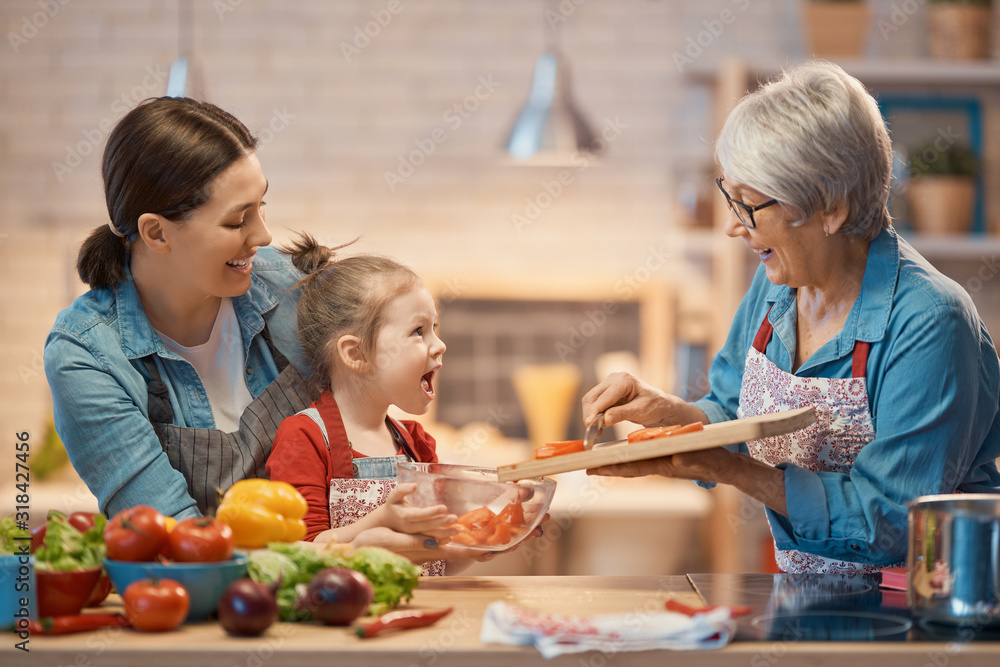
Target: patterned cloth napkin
[{"x": 556, "y": 634}]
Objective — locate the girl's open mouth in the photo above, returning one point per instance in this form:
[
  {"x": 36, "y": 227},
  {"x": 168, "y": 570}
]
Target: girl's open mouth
[{"x": 426, "y": 382}]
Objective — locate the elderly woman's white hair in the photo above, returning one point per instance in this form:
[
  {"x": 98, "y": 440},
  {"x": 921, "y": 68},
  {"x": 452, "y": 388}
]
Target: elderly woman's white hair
[{"x": 813, "y": 139}]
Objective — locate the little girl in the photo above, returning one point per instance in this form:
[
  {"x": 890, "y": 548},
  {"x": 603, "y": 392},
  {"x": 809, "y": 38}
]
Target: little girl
[{"x": 369, "y": 328}]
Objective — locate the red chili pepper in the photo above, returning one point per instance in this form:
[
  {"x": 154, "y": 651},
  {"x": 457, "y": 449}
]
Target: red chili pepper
[
  {"x": 67, "y": 625},
  {"x": 681, "y": 608},
  {"x": 401, "y": 620}
]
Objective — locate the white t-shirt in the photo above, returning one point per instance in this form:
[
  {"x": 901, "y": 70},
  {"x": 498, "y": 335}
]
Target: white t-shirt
[{"x": 220, "y": 362}]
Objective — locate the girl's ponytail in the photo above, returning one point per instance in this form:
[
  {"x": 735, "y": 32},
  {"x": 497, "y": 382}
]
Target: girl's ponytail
[{"x": 309, "y": 256}]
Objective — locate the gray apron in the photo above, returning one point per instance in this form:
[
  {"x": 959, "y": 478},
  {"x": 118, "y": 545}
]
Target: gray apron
[{"x": 212, "y": 460}]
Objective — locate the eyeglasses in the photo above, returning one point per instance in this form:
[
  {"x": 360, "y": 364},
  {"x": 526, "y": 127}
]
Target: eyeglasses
[{"x": 744, "y": 213}]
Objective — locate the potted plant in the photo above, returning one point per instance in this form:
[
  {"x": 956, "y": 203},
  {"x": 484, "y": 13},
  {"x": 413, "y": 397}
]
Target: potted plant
[
  {"x": 836, "y": 28},
  {"x": 942, "y": 188},
  {"x": 959, "y": 29}
]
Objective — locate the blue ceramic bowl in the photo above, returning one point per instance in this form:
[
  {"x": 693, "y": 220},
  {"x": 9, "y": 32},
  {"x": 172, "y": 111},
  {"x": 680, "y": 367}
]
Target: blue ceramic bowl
[{"x": 205, "y": 582}]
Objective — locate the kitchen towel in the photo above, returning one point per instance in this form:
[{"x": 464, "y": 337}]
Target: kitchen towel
[{"x": 641, "y": 630}]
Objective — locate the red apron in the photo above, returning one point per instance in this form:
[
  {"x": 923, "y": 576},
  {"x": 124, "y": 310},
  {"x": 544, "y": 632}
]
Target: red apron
[
  {"x": 843, "y": 427},
  {"x": 374, "y": 477}
]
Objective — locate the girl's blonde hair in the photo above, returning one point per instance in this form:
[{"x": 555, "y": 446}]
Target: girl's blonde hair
[{"x": 343, "y": 297}]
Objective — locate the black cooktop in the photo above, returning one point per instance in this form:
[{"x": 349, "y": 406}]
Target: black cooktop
[{"x": 826, "y": 607}]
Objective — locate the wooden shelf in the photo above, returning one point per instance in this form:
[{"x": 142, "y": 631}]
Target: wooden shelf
[
  {"x": 957, "y": 247},
  {"x": 888, "y": 72}
]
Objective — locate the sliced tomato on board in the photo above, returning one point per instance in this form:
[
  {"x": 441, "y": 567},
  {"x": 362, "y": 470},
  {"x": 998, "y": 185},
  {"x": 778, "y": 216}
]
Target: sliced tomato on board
[
  {"x": 664, "y": 431},
  {"x": 551, "y": 449}
]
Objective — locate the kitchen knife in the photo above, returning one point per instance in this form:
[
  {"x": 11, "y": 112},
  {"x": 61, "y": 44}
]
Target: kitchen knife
[{"x": 594, "y": 430}]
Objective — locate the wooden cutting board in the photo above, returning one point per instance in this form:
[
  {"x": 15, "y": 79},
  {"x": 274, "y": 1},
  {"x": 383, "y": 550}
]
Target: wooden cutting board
[{"x": 714, "y": 435}]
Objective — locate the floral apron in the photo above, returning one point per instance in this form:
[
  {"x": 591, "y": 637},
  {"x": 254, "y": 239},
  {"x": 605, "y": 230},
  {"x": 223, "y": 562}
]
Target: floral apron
[
  {"x": 832, "y": 443},
  {"x": 374, "y": 478}
]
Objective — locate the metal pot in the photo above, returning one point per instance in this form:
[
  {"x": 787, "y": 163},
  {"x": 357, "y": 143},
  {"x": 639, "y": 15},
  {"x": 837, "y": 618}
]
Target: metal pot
[{"x": 953, "y": 559}]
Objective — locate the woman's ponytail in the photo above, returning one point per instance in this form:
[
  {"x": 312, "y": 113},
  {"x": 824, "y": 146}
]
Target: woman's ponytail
[{"x": 101, "y": 261}]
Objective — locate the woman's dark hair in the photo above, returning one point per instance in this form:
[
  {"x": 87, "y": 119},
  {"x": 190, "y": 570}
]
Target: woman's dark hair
[{"x": 161, "y": 157}]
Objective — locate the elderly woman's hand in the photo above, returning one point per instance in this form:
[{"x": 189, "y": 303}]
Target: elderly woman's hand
[
  {"x": 706, "y": 465},
  {"x": 624, "y": 397}
]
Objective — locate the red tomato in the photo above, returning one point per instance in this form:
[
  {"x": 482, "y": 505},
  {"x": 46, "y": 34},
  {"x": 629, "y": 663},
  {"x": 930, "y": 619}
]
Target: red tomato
[
  {"x": 37, "y": 537},
  {"x": 201, "y": 540},
  {"x": 513, "y": 514},
  {"x": 82, "y": 521},
  {"x": 156, "y": 605},
  {"x": 551, "y": 449},
  {"x": 663, "y": 431},
  {"x": 135, "y": 534},
  {"x": 477, "y": 518}
]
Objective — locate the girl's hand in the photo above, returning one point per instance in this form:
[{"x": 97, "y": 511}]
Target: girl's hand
[
  {"x": 400, "y": 516},
  {"x": 624, "y": 397}
]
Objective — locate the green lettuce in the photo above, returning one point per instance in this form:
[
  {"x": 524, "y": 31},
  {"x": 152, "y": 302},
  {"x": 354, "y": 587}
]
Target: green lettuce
[
  {"x": 11, "y": 537},
  {"x": 392, "y": 577},
  {"x": 66, "y": 548}
]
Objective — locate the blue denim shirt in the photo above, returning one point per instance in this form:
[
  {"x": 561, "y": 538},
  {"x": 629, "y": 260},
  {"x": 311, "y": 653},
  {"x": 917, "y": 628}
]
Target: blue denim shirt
[
  {"x": 933, "y": 386},
  {"x": 99, "y": 386}
]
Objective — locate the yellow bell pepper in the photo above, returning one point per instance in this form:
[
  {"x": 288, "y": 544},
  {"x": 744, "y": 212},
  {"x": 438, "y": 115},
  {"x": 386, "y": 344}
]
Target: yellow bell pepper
[{"x": 261, "y": 511}]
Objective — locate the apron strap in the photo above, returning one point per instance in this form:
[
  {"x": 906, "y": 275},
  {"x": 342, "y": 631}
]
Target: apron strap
[
  {"x": 860, "y": 360},
  {"x": 395, "y": 428},
  {"x": 313, "y": 414},
  {"x": 763, "y": 336},
  {"x": 859, "y": 357},
  {"x": 158, "y": 398}
]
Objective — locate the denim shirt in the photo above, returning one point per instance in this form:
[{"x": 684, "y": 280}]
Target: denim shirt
[
  {"x": 933, "y": 389},
  {"x": 99, "y": 385}
]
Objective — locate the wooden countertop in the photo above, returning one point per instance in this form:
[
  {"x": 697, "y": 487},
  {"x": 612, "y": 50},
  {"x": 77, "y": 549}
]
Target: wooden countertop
[{"x": 454, "y": 641}]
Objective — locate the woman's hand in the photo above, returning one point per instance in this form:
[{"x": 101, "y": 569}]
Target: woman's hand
[
  {"x": 624, "y": 397},
  {"x": 706, "y": 465},
  {"x": 754, "y": 478}
]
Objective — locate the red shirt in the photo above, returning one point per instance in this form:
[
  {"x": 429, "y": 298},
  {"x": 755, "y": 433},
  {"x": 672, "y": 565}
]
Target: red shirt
[{"x": 300, "y": 456}]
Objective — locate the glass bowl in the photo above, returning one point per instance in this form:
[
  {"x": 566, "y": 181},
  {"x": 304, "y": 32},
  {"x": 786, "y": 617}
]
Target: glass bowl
[{"x": 493, "y": 515}]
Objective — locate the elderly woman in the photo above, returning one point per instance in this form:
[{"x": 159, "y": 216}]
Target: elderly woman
[{"x": 843, "y": 315}]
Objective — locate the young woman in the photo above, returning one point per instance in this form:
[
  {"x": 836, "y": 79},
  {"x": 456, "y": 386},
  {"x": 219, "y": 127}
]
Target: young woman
[
  {"x": 369, "y": 329},
  {"x": 170, "y": 375}
]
